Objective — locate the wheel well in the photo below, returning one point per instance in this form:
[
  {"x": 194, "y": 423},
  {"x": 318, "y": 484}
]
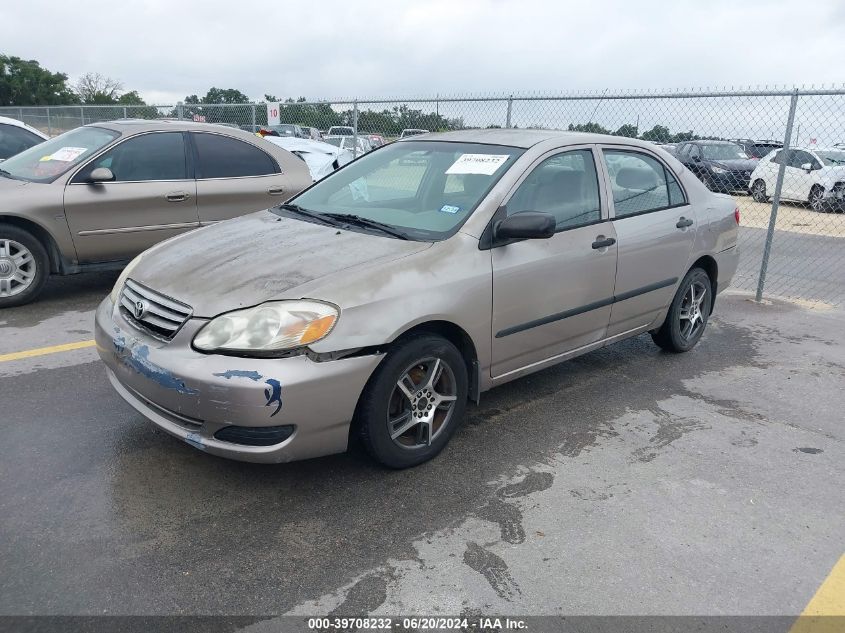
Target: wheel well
[
  {"x": 40, "y": 233},
  {"x": 712, "y": 269},
  {"x": 460, "y": 339}
]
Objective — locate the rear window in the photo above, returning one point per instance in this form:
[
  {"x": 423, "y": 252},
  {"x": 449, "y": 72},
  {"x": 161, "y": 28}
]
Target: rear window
[
  {"x": 221, "y": 156},
  {"x": 14, "y": 140}
]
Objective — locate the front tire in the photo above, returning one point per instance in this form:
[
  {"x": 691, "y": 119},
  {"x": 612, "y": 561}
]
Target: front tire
[
  {"x": 688, "y": 313},
  {"x": 414, "y": 401},
  {"x": 758, "y": 191},
  {"x": 24, "y": 266}
]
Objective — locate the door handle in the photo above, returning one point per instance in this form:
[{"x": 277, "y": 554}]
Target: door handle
[
  {"x": 177, "y": 196},
  {"x": 603, "y": 242},
  {"x": 683, "y": 223},
  {"x": 276, "y": 191}
]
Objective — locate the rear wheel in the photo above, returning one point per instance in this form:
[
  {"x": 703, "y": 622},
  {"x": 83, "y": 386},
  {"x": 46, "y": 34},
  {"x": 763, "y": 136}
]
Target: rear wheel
[
  {"x": 817, "y": 201},
  {"x": 24, "y": 266},
  {"x": 688, "y": 314},
  {"x": 414, "y": 402},
  {"x": 758, "y": 191}
]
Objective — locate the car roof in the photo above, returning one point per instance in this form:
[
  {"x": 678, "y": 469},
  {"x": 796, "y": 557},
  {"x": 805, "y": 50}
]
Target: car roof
[
  {"x": 523, "y": 138},
  {"x": 132, "y": 126},
  {"x": 21, "y": 124}
]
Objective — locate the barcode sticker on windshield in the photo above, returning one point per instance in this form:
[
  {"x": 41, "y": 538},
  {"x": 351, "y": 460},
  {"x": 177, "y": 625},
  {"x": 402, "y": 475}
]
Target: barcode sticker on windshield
[
  {"x": 67, "y": 154},
  {"x": 485, "y": 164}
]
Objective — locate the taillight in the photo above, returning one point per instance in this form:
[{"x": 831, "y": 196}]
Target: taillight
[{"x": 736, "y": 215}]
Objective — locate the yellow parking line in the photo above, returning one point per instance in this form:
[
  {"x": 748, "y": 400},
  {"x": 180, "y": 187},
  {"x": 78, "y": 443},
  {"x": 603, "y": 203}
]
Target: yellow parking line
[
  {"x": 41, "y": 351},
  {"x": 825, "y": 613}
]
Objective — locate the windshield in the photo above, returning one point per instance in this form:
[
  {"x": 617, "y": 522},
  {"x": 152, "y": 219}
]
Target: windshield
[
  {"x": 49, "y": 160},
  {"x": 336, "y": 141},
  {"x": 723, "y": 151},
  {"x": 341, "y": 131},
  {"x": 830, "y": 157},
  {"x": 427, "y": 190}
]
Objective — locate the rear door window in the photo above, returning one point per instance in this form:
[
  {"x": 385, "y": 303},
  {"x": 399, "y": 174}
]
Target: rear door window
[{"x": 219, "y": 156}]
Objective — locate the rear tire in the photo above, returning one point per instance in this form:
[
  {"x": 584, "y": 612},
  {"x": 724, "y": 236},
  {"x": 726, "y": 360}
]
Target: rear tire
[
  {"x": 758, "y": 191},
  {"x": 688, "y": 313},
  {"x": 24, "y": 266},
  {"x": 402, "y": 427}
]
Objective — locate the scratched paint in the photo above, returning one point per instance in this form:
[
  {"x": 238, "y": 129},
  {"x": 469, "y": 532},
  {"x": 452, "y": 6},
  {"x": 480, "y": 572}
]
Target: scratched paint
[
  {"x": 240, "y": 373},
  {"x": 273, "y": 393},
  {"x": 138, "y": 358}
]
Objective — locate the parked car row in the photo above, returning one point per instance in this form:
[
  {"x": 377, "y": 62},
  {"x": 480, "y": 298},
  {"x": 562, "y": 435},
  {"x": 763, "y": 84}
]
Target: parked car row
[{"x": 812, "y": 175}]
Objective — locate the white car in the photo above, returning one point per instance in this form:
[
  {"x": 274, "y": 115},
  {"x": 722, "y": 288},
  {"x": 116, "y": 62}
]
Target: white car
[
  {"x": 412, "y": 132},
  {"x": 321, "y": 158},
  {"x": 16, "y": 136},
  {"x": 348, "y": 143},
  {"x": 815, "y": 175},
  {"x": 340, "y": 130}
]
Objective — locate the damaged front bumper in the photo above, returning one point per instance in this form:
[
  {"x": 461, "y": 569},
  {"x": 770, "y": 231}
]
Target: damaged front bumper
[{"x": 208, "y": 400}]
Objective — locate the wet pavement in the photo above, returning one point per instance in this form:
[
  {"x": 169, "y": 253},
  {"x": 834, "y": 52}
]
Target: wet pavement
[{"x": 625, "y": 481}]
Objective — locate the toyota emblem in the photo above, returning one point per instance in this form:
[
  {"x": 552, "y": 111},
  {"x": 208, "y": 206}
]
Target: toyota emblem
[{"x": 140, "y": 309}]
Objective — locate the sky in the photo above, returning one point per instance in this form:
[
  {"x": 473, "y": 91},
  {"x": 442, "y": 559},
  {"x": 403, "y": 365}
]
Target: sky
[{"x": 330, "y": 49}]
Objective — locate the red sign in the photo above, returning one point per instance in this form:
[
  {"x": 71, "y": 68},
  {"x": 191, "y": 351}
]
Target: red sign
[{"x": 199, "y": 118}]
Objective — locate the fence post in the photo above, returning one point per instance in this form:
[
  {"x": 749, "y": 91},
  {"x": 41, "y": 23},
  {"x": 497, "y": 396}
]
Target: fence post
[
  {"x": 355, "y": 129},
  {"x": 124, "y": 112},
  {"x": 82, "y": 115},
  {"x": 253, "y": 119},
  {"x": 179, "y": 111},
  {"x": 49, "y": 123},
  {"x": 770, "y": 233},
  {"x": 510, "y": 109},
  {"x": 20, "y": 114}
]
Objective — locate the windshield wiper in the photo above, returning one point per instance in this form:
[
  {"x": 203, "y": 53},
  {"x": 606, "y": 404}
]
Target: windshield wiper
[
  {"x": 357, "y": 220},
  {"x": 3, "y": 172},
  {"x": 324, "y": 218}
]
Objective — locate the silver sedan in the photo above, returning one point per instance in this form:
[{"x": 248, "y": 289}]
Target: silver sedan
[{"x": 383, "y": 298}]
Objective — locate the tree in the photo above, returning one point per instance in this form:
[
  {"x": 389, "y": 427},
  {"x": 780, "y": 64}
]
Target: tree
[
  {"x": 219, "y": 95},
  {"x": 593, "y": 128},
  {"x": 628, "y": 130},
  {"x": 131, "y": 98},
  {"x": 657, "y": 134},
  {"x": 25, "y": 82},
  {"x": 94, "y": 88}
]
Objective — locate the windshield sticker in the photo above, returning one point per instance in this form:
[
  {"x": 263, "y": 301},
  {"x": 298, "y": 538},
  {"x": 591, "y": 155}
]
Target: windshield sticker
[
  {"x": 448, "y": 208},
  {"x": 485, "y": 164},
  {"x": 67, "y": 154}
]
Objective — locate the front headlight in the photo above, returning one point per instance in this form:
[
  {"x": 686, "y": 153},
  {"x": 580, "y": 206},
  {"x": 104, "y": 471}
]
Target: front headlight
[
  {"x": 272, "y": 326},
  {"x": 118, "y": 286},
  {"x": 718, "y": 170}
]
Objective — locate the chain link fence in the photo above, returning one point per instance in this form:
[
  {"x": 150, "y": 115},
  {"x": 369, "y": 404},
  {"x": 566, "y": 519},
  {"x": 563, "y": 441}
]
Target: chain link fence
[{"x": 792, "y": 237}]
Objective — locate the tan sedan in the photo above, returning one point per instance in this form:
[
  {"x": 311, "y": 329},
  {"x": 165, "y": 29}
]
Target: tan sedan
[
  {"x": 95, "y": 197},
  {"x": 381, "y": 299}
]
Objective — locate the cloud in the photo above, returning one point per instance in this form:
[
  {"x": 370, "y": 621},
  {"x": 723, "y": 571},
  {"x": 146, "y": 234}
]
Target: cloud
[{"x": 334, "y": 49}]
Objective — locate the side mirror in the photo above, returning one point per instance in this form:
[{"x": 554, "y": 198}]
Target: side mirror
[
  {"x": 808, "y": 167},
  {"x": 528, "y": 225},
  {"x": 101, "y": 174}
]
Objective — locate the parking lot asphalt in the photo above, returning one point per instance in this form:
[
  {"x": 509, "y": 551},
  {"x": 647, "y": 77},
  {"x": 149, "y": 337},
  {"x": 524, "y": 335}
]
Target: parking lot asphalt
[{"x": 627, "y": 481}]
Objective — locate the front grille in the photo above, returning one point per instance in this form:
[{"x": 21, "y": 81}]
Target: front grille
[{"x": 152, "y": 311}]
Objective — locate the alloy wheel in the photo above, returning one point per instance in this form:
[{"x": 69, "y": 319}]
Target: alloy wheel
[
  {"x": 17, "y": 268},
  {"x": 758, "y": 191},
  {"x": 422, "y": 403},
  {"x": 691, "y": 314}
]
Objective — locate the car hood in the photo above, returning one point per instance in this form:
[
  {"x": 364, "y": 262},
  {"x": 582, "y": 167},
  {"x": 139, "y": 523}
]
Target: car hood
[
  {"x": 259, "y": 257},
  {"x": 736, "y": 164},
  {"x": 833, "y": 171}
]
